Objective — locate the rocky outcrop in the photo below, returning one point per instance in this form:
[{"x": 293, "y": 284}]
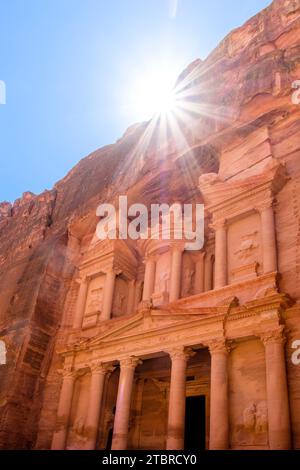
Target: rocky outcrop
[{"x": 239, "y": 100}]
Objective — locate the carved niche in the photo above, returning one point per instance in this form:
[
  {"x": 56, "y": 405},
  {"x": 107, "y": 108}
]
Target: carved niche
[
  {"x": 187, "y": 275},
  {"x": 120, "y": 298},
  {"x": 94, "y": 300},
  {"x": 244, "y": 248}
]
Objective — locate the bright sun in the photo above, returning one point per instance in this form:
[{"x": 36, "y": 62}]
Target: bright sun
[{"x": 154, "y": 94}]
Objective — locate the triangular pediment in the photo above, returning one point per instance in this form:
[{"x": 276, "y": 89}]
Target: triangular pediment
[{"x": 141, "y": 323}]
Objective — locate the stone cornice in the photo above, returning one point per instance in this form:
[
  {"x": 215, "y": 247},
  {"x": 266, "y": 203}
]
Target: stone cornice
[{"x": 222, "y": 196}]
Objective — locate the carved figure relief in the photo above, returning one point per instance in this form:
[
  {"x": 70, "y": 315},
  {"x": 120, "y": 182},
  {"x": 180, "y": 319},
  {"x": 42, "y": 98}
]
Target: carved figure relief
[
  {"x": 162, "y": 279},
  {"x": 249, "y": 244},
  {"x": 120, "y": 298},
  {"x": 255, "y": 417},
  {"x": 187, "y": 281},
  {"x": 95, "y": 299}
]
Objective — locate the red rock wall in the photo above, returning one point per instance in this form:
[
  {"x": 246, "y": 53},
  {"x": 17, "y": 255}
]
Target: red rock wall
[{"x": 243, "y": 87}]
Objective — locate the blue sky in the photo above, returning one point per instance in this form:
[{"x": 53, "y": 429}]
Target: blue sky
[{"x": 72, "y": 68}]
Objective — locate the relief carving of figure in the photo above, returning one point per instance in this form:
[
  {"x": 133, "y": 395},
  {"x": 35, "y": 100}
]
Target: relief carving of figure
[
  {"x": 187, "y": 281},
  {"x": 255, "y": 417},
  {"x": 261, "y": 417},
  {"x": 95, "y": 301},
  {"x": 119, "y": 302},
  {"x": 78, "y": 426},
  {"x": 248, "y": 245},
  {"x": 249, "y": 417},
  {"x": 163, "y": 281}
]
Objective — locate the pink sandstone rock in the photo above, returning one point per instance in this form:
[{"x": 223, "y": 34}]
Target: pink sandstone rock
[{"x": 69, "y": 303}]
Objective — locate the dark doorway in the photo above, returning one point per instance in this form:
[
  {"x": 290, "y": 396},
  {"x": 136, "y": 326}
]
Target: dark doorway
[
  {"x": 109, "y": 439},
  {"x": 194, "y": 438}
]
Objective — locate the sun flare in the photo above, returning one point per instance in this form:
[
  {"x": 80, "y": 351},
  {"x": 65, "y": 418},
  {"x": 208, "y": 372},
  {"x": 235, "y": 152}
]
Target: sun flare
[{"x": 154, "y": 94}]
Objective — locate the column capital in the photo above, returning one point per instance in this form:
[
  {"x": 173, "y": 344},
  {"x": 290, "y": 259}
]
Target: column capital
[
  {"x": 218, "y": 224},
  {"x": 201, "y": 256},
  {"x": 101, "y": 368},
  {"x": 113, "y": 270},
  {"x": 130, "y": 362},
  {"x": 149, "y": 257},
  {"x": 273, "y": 336},
  {"x": 218, "y": 346},
  {"x": 264, "y": 205},
  {"x": 68, "y": 373},
  {"x": 180, "y": 353},
  {"x": 177, "y": 246},
  {"x": 81, "y": 279}
]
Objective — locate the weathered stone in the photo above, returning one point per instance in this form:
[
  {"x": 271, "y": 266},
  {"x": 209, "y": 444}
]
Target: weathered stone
[{"x": 240, "y": 155}]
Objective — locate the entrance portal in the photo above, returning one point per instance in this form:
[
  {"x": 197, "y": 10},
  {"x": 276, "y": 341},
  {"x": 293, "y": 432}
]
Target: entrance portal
[{"x": 194, "y": 438}]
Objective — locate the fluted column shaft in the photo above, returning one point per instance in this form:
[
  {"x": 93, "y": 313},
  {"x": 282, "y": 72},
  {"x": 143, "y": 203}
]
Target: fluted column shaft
[
  {"x": 175, "y": 282},
  {"x": 108, "y": 294},
  {"x": 208, "y": 273},
  {"x": 64, "y": 410},
  {"x": 80, "y": 304},
  {"x": 268, "y": 239},
  {"x": 99, "y": 372},
  {"x": 149, "y": 278},
  {"x": 199, "y": 276},
  {"x": 176, "y": 416},
  {"x": 137, "y": 294},
  {"x": 120, "y": 434},
  {"x": 219, "y": 409},
  {"x": 220, "y": 254},
  {"x": 277, "y": 390},
  {"x": 131, "y": 297}
]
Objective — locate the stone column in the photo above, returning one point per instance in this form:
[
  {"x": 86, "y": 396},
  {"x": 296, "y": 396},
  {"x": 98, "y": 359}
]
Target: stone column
[
  {"x": 277, "y": 390},
  {"x": 131, "y": 297},
  {"x": 138, "y": 403},
  {"x": 120, "y": 434},
  {"x": 219, "y": 412},
  {"x": 175, "y": 281},
  {"x": 268, "y": 231},
  {"x": 138, "y": 294},
  {"x": 208, "y": 273},
  {"x": 64, "y": 410},
  {"x": 80, "y": 304},
  {"x": 99, "y": 372},
  {"x": 149, "y": 278},
  {"x": 176, "y": 416},
  {"x": 220, "y": 254},
  {"x": 199, "y": 275},
  {"x": 108, "y": 294}
]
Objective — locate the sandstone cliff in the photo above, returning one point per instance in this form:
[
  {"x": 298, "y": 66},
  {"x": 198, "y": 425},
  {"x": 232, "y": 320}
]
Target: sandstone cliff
[{"x": 240, "y": 98}]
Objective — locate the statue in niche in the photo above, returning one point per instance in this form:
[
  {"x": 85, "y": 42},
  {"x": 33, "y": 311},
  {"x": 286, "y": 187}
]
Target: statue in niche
[
  {"x": 255, "y": 418},
  {"x": 248, "y": 245},
  {"x": 78, "y": 426},
  {"x": 163, "y": 282},
  {"x": 187, "y": 281},
  {"x": 119, "y": 303},
  {"x": 261, "y": 417},
  {"x": 249, "y": 417},
  {"x": 95, "y": 301}
]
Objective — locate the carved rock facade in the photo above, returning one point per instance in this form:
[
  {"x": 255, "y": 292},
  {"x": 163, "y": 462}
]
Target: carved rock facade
[{"x": 108, "y": 341}]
